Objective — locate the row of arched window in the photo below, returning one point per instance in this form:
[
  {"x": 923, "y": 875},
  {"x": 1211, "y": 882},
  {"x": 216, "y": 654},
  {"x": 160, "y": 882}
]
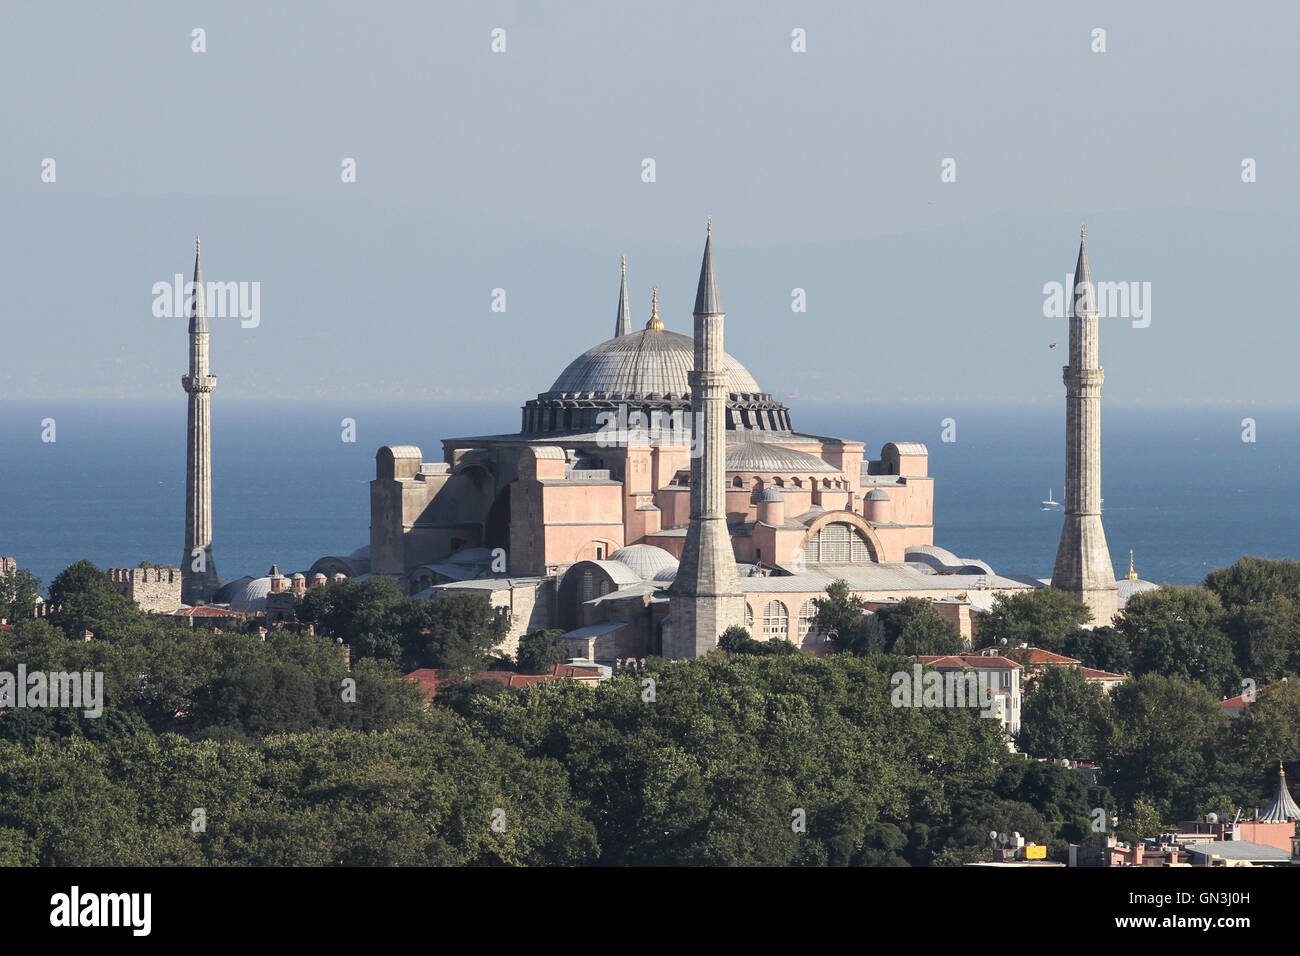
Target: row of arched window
[{"x": 776, "y": 622}]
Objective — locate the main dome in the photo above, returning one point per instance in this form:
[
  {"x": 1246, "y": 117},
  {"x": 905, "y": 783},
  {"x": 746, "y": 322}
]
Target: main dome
[
  {"x": 646, "y": 371},
  {"x": 640, "y": 364}
]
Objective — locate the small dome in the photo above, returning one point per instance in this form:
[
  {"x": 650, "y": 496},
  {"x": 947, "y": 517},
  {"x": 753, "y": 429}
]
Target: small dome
[
  {"x": 875, "y": 494},
  {"x": 298, "y": 576},
  {"x": 770, "y": 494},
  {"x": 645, "y": 560},
  {"x": 667, "y": 574}
]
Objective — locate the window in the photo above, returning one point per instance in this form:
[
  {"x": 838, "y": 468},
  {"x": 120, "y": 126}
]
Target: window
[
  {"x": 776, "y": 621},
  {"x": 749, "y": 619},
  {"x": 840, "y": 543},
  {"x": 807, "y": 614},
  {"x": 587, "y": 592}
]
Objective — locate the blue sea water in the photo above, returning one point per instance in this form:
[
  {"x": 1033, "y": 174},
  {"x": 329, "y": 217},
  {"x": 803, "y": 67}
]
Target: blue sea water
[{"x": 1182, "y": 489}]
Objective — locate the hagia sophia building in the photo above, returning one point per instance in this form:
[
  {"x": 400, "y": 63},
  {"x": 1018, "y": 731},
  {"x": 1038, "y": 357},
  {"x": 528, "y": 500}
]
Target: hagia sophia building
[{"x": 654, "y": 495}]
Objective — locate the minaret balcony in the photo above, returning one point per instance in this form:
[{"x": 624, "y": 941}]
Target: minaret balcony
[{"x": 198, "y": 383}]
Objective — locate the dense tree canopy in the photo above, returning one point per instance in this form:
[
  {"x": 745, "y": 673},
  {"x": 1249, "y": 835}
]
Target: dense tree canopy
[
  {"x": 1176, "y": 631},
  {"x": 1044, "y": 618},
  {"x": 760, "y": 754},
  {"x": 1063, "y": 715}
]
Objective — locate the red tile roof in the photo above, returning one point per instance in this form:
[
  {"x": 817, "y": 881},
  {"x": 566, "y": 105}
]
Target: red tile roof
[
  {"x": 940, "y": 661},
  {"x": 1092, "y": 673},
  {"x": 1036, "y": 655},
  {"x": 1238, "y": 701},
  {"x": 429, "y": 680},
  {"x": 206, "y": 610}
]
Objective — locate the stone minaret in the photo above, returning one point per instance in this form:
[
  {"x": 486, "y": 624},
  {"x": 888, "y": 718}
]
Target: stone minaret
[
  {"x": 198, "y": 572},
  {"x": 623, "y": 324},
  {"x": 705, "y": 596},
  {"x": 1083, "y": 569}
]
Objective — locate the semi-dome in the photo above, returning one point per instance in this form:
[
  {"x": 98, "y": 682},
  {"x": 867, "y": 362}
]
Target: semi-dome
[
  {"x": 769, "y": 495},
  {"x": 765, "y": 458},
  {"x": 645, "y": 560},
  {"x": 875, "y": 494}
]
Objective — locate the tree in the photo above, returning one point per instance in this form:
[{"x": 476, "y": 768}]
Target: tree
[
  {"x": 1161, "y": 742},
  {"x": 1041, "y": 618},
  {"x": 1103, "y": 648},
  {"x": 86, "y": 601},
  {"x": 845, "y": 621},
  {"x": 78, "y": 579},
  {"x": 1254, "y": 580},
  {"x": 736, "y": 640},
  {"x": 915, "y": 626},
  {"x": 1063, "y": 715},
  {"x": 539, "y": 653},
  {"x": 459, "y": 631},
  {"x": 19, "y": 591},
  {"x": 373, "y": 617},
  {"x": 1175, "y": 631}
]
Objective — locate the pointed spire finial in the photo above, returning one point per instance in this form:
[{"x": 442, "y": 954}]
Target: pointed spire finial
[
  {"x": 707, "y": 299},
  {"x": 1082, "y": 227},
  {"x": 655, "y": 324},
  {"x": 198, "y": 307},
  {"x": 1132, "y": 575},
  {"x": 623, "y": 321},
  {"x": 708, "y": 225}
]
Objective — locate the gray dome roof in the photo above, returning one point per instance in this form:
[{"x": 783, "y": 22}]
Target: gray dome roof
[
  {"x": 875, "y": 494},
  {"x": 643, "y": 363},
  {"x": 250, "y": 596},
  {"x": 667, "y": 574},
  {"x": 645, "y": 560},
  {"x": 764, "y": 458},
  {"x": 770, "y": 494},
  {"x": 230, "y": 587}
]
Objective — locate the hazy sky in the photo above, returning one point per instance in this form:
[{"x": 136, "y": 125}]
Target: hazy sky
[{"x": 522, "y": 171}]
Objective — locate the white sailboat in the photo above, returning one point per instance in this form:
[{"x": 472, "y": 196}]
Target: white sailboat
[{"x": 1049, "y": 503}]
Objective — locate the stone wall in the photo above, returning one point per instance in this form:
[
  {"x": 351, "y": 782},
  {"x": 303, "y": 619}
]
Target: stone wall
[{"x": 153, "y": 589}]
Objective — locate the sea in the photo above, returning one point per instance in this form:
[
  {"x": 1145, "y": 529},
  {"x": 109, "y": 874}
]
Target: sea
[{"x": 1188, "y": 488}]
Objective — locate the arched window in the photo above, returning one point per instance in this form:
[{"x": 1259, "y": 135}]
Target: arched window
[
  {"x": 738, "y": 482},
  {"x": 776, "y": 621},
  {"x": 604, "y": 587},
  {"x": 587, "y": 592},
  {"x": 807, "y": 614},
  {"x": 839, "y": 543},
  {"x": 749, "y": 619}
]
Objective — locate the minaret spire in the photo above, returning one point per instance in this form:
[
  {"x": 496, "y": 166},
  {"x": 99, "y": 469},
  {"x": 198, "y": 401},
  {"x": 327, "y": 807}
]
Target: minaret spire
[
  {"x": 198, "y": 571},
  {"x": 1083, "y": 568},
  {"x": 623, "y": 324},
  {"x": 705, "y": 596}
]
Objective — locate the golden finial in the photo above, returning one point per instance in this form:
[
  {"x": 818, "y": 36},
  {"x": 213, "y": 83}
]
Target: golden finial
[
  {"x": 1132, "y": 575},
  {"x": 1081, "y": 229},
  {"x": 196, "y": 243},
  {"x": 708, "y": 226},
  {"x": 655, "y": 324},
  {"x": 624, "y": 258}
]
